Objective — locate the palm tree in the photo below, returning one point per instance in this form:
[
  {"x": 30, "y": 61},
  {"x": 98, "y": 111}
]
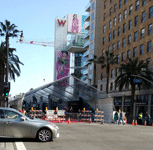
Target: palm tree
[
  {"x": 105, "y": 62},
  {"x": 135, "y": 68},
  {"x": 14, "y": 62},
  {"x": 8, "y": 30}
]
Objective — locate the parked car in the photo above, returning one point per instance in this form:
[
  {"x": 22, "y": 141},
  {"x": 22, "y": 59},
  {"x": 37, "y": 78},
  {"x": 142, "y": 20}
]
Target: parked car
[{"x": 14, "y": 124}]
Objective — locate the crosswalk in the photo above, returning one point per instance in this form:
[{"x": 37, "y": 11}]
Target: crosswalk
[{"x": 10, "y": 146}]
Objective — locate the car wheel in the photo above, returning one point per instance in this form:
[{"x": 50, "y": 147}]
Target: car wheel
[{"x": 44, "y": 135}]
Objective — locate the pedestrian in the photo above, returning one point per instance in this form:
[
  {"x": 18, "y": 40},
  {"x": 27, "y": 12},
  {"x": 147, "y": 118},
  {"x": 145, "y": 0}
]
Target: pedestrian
[
  {"x": 140, "y": 118},
  {"x": 115, "y": 117},
  {"x": 24, "y": 112},
  {"x": 121, "y": 118}
]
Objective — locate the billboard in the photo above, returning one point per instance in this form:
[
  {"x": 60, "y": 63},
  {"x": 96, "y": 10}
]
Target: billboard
[
  {"x": 76, "y": 23},
  {"x": 62, "y": 64}
]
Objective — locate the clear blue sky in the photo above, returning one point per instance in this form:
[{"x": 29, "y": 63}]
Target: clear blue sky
[{"x": 36, "y": 18}]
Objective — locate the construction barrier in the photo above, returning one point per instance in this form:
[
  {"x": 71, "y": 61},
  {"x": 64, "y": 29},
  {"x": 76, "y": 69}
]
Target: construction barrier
[
  {"x": 99, "y": 116},
  {"x": 36, "y": 113},
  {"x": 86, "y": 115},
  {"x": 61, "y": 115},
  {"x": 50, "y": 115}
]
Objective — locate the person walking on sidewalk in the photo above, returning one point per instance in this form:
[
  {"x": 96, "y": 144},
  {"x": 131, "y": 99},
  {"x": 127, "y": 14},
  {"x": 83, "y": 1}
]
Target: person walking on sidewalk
[
  {"x": 121, "y": 118},
  {"x": 140, "y": 118},
  {"x": 115, "y": 117}
]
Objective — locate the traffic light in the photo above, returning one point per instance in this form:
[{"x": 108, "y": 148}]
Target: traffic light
[
  {"x": 6, "y": 88},
  {"x": 129, "y": 76}
]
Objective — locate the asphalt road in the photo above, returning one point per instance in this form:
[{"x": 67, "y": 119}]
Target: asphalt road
[{"x": 94, "y": 136}]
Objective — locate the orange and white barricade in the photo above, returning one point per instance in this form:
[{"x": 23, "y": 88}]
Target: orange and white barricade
[
  {"x": 61, "y": 115},
  {"x": 99, "y": 115},
  {"x": 50, "y": 116},
  {"x": 36, "y": 113},
  {"x": 86, "y": 115}
]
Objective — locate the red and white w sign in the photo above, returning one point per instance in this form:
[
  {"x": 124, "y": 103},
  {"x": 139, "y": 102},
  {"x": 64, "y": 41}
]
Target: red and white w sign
[{"x": 61, "y": 22}]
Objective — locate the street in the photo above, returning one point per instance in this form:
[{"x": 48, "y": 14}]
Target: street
[{"x": 91, "y": 137}]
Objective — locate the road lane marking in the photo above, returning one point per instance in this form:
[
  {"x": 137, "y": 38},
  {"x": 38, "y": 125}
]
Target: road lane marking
[
  {"x": 20, "y": 146},
  {"x": 9, "y": 146}
]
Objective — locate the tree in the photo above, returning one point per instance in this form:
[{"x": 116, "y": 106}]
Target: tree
[
  {"x": 135, "y": 68},
  {"x": 77, "y": 73},
  {"x": 105, "y": 62},
  {"x": 14, "y": 62}
]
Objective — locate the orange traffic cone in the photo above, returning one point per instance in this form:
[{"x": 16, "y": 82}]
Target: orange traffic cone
[
  {"x": 125, "y": 121},
  {"x": 135, "y": 122},
  {"x": 69, "y": 122},
  {"x": 152, "y": 124},
  {"x": 145, "y": 123},
  {"x": 90, "y": 120},
  {"x": 59, "y": 120},
  {"x": 102, "y": 122}
]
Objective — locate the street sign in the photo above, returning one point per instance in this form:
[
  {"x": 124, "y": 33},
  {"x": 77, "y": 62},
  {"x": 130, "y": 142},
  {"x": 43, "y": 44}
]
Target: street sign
[{"x": 137, "y": 81}]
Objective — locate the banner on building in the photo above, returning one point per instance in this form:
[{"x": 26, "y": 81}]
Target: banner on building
[
  {"x": 62, "y": 64},
  {"x": 76, "y": 23}
]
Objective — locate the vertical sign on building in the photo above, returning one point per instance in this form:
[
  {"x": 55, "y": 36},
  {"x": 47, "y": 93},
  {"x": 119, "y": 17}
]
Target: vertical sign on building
[{"x": 61, "y": 56}]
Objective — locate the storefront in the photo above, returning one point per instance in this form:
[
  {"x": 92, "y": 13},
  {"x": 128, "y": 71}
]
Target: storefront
[
  {"x": 117, "y": 103},
  {"x": 142, "y": 105}
]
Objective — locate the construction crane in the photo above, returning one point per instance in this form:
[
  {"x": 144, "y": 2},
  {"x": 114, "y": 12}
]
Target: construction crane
[{"x": 48, "y": 44}]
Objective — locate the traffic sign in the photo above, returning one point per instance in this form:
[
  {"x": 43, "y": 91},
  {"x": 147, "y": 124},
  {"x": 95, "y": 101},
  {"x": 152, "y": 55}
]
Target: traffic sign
[{"x": 137, "y": 81}]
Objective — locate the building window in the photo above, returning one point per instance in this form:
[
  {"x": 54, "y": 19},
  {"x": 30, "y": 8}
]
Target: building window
[
  {"x": 141, "y": 49},
  {"x": 93, "y": 6},
  {"x": 135, "y": 36},
  {"x": 125, "y": 2},
  {"x": 117, "y": 58},
  {"x": 109, "y": 49},
  {"x": 123, "y": 56},
  {"x": 123, "y": 44},
  {"x": 117, "y": 72},
  {"x": 104, "y": 29},
  {"x": 149, "y": 46},
  {"x": 150, "y": 29},
  {"x": 143, "y": 16},
  {"x": 115, "y": 21},
  {"x": 129, "y": 39},
  {"x": 92, "y": 16},
  {"x": 119, "y": 31},
  {"x": 101, "y": 87},
  {"x": 104, "y": 16},
  {"x": 103, "y": 54},
  {"x": 118, "y": 45},
  {"x": 131, "y": 8},
  {"x": 111, "y": 86},
  {"x": 125, "y": 13},
  {"x": 137, "y": 5},
  {"x": 103, "y": 40},
  {"x": 148, "y": 61},
  {"x": 91, "y": 36},
  {"x": 105, "y": 3},
  {"x": 90, "y": 67},
  {"x": 114, "y": 47},
  {"x": 102, "y": 76},
  {"x": 92, "y": 26},
  {"x": 136, "y": 20},
  {"x": 151, "y": 12},
  {"x": 91, "y": 56},
  {"x": 119, "y": 18},
  {"x": 120, "y": 4},
  {"x": 91, "y": 46},
  {"x": 110, "y": 36},
  {"x": 110, "y": 24},
  {"x": 143, "y": 2},
  {"x": 128, "y": 54},
  {"x": 111, "y": 1},
  {"x": 90, "y": 76},
  {"x": 114, "y": 34},
  {"x": 130, "y": 24},
  {"x": 112, "y": 73},
  {"x": 115, "y": 8},
  {"x": 111, "y": 11},
  {"x": 124, "y": 28},
  {"x": 142, "y": 33},
  {"x": 135, "y": 52}
]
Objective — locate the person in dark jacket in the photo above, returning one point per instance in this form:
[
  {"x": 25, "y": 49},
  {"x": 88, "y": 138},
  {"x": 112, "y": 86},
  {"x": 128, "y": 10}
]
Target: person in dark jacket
[
  {"x": 115, "y": 117},
  {"x": 121, "y": 118}
]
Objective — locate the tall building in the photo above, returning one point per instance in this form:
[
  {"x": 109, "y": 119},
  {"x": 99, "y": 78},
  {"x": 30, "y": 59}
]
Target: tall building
[
  {"x": 93, "y": 9},
  {"x": 126, "y": 29}
]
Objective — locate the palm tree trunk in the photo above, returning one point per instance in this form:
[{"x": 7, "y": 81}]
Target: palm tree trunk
[
  {"x": 1, "y": 78},
  {"x": 107, "y": 72},
  {"x": 132, "y": 113}
]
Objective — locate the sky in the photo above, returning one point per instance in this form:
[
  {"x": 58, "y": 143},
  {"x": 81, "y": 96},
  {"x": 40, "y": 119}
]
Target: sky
[{"x": 37, "y": 19}]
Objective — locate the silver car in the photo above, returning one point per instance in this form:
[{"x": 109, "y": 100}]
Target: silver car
[{"x": 14, "y": 124}]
